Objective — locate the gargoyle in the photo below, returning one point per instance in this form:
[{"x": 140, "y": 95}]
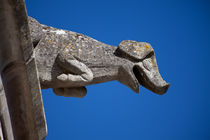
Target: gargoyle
[{"x": 69, "y": 61}]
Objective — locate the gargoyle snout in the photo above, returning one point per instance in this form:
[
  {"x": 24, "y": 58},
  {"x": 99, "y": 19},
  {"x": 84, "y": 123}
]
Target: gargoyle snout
[
  {"x": 148, "y": 75},
  {"x": 161, "y": 89},
  {"x": 164, "y": 89}
]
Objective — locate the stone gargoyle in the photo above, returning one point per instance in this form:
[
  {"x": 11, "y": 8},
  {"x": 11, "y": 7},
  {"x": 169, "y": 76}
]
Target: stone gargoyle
[{"x": 69, "y": 61}]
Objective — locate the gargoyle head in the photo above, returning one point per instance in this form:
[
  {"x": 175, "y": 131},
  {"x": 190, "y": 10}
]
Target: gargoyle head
[{"x": 143, "y": 70}]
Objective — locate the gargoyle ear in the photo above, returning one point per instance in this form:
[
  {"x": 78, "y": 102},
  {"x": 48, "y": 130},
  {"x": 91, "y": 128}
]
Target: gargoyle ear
[{"x": 134, "y": 49}]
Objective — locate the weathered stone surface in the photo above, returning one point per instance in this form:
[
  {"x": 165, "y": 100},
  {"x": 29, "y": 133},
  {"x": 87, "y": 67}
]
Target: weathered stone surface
[
  {"x": 69, "y": 61},
  {"x": 6, "y": 127},
  {"x": 33, "y": 78},
  {"x": 38, "y": 108},
  {"x": 35, "y": 32},
  {"x": 135, "y": 50},
  {"x": 1, "y": 133},
  {"x": 20, "y": 81}
]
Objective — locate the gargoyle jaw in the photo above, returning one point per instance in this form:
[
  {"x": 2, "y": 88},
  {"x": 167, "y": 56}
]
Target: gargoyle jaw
[
  {"x": 127, "y": 77},
  {"x": 150, "y": 78}
]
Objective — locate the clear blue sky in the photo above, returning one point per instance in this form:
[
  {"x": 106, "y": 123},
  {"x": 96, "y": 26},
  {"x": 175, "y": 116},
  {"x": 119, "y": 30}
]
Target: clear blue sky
[{"x": 179, "y": 31}]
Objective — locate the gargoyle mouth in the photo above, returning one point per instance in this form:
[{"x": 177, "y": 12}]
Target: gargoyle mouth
[{"x": 150, "y": 79}]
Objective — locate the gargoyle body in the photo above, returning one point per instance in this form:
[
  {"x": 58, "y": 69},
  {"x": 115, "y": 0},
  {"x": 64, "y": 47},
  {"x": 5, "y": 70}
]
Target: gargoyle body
[{"x": 68, "y": 61}]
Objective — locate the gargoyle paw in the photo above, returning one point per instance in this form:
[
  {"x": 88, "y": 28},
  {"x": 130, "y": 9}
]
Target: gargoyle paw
[{"x": 78, "y": 92}]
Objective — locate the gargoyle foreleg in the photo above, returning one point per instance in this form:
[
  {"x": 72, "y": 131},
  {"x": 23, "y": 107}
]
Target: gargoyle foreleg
[
  {"x": 72, "y": 82},
  {"x": 79, "y": 72}
]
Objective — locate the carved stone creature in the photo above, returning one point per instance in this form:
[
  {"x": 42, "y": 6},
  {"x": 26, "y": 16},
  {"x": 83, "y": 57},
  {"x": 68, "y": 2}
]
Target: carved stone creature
[{"x": 68, "y": 61}]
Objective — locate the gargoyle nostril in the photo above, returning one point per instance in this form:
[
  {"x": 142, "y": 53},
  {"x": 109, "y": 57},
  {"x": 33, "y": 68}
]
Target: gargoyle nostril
[
  {"x": 163, "y": 89},
  {"x": 166, "y": 87}
]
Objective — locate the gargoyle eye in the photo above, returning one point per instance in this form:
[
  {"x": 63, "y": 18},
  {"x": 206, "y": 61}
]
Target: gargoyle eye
[{"x": 149, "y": 55}]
